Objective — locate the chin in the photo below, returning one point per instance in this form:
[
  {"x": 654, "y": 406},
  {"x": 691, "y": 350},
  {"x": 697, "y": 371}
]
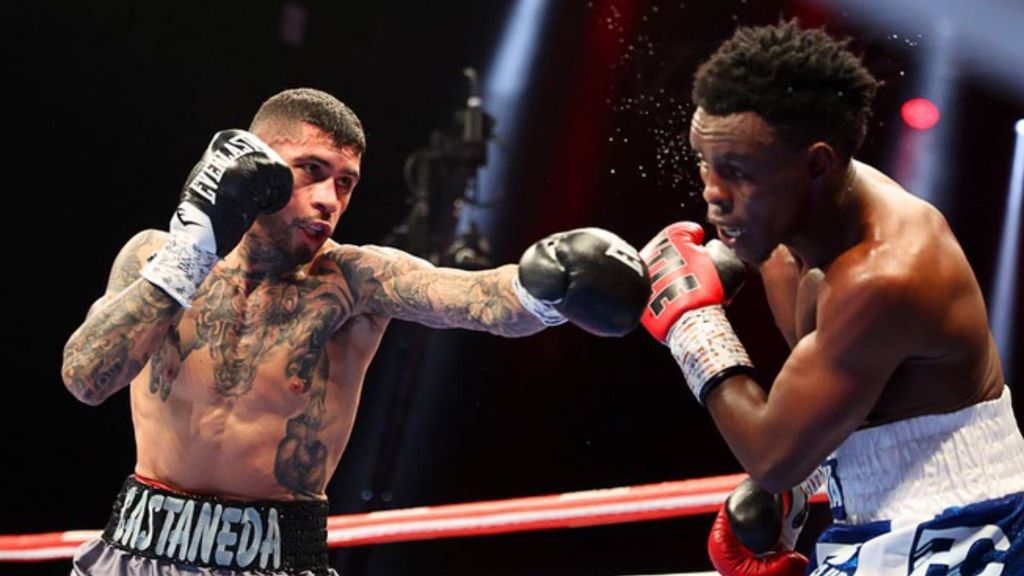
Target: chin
[
  {"x": 303, "y": 249},
  {"x": 755, "y": 255},
  {"x": 304, "y": 254}
]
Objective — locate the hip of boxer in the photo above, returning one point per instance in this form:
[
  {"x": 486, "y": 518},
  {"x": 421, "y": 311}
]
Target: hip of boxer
[
  {"x": 984, "y": 538},
  {"x": 912, "y": 470},
  {"x": 154, "y": 529},
  {"x": 938, "y": 494}
]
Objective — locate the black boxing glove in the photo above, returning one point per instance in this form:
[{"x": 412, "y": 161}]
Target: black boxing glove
[
  {"x": 588, "y": 276},
  {"x": 756, "y": 530},
  {"x": 731, "y": 557},
  {"x": 238, "y": 178}
]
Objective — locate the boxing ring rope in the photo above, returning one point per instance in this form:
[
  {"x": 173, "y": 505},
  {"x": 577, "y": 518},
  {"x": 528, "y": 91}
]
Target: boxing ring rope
[{"x": 570, "y": 510}]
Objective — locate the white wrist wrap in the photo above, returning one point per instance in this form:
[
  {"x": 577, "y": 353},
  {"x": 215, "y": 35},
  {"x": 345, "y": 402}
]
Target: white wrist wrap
[
  {"x": 544, "y": 312},
  {"x": 179, "y": 267},
  {"x": 707, "y": 349}
]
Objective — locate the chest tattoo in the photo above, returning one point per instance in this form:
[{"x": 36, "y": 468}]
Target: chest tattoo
[
  {"x": 243, "y": 332},
  {"x": 301, "y": 460}
]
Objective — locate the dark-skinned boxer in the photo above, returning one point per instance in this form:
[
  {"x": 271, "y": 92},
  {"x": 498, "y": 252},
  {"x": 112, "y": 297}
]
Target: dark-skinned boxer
[{"x": 893, "y": 384}]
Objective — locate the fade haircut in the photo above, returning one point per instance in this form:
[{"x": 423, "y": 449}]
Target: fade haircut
[
  {"x": 317, "y": 108},
  {"x": 804, "y": 83}
]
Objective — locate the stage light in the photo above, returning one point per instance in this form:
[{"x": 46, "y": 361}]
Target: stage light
[
  {"x": 923, "y": 157},
  {"x": 920, "y": 113},
  {"x": 1004, "y": 291},
  {"x": 510, "y": 69},
  {"x": 504, "y": 84}
]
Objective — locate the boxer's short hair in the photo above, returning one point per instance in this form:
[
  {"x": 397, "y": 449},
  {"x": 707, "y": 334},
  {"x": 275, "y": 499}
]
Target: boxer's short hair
[
  {"x": 804, "y": 83},
  {"x": 317, "y": 108}
]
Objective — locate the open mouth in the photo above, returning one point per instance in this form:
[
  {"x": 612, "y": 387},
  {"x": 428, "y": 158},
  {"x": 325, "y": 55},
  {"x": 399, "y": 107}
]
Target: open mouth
[
  {"x": 729, "y": 232},
  {"x": 318, "y": 231}
]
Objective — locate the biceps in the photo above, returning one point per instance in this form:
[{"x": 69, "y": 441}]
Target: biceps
[
  {"x": 825, "y": 391},
  {"x": 98, "y": 304},
  {"x": 128, "y": 265}
]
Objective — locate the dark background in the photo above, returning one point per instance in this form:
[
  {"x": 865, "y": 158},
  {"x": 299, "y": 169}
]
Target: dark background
[{"x": 108, "y": 104}]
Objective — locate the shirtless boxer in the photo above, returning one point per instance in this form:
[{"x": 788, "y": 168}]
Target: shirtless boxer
[
  {"x": 893, "y": 384},
  {"x": 245, "y": 333}
]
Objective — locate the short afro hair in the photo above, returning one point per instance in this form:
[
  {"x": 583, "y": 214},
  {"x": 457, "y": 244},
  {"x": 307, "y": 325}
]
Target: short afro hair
[
  {"x": 317, "y": 108},
  {"x": 804, "y": 83}
]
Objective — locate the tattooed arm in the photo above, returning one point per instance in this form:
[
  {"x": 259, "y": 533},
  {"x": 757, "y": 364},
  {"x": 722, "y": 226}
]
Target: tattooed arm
[
  {"x": 122, "y": 329},
  {"x": 388, "y": 282}
]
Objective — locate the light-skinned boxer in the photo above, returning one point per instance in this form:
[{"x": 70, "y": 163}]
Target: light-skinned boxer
[{"x": 244, "y": 334}]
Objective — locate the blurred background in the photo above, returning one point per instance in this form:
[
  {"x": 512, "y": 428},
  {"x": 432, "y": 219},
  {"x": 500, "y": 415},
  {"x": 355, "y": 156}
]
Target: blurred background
[{"x": 489, "y": 124}]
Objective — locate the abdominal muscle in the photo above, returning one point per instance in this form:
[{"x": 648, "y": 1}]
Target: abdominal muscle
[{"x": 203, "y": 442}]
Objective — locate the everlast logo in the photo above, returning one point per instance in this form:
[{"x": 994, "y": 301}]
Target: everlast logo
[
  {"x": 214, "y": 534},
  {"x": 205, "y": 183}
]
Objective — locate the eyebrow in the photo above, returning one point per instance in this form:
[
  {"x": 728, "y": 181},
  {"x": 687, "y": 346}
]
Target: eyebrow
[
  {"x": 327, "y": 164},
  {"x": 733, "y": 157},
  {"x": 726, "y": 157}
]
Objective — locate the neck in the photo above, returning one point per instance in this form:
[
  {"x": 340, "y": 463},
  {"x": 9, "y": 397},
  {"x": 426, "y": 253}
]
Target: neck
[
  {"x": 833, "y": 221},
  {"x": 260, "y": 259}
]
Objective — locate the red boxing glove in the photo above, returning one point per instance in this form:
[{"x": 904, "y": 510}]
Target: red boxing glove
[
  {"x": 731, "y": 558},
  {"x": 683, "y": 277},
  {"x": 690, "y": 283}
]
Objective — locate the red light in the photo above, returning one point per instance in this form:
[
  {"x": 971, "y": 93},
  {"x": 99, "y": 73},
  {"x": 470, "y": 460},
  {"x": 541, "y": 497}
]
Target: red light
[{"x": 920, "y": 113}]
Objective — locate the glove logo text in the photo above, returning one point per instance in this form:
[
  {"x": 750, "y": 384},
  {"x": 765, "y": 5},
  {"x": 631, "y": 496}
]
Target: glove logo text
[{"x": 206, "y": 182}]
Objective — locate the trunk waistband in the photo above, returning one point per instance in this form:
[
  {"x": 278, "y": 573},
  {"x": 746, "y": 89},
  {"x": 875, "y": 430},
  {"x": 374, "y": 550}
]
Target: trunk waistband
[
  {"x": 207, "y": 532},
  {"x": 909, "y": 471}
]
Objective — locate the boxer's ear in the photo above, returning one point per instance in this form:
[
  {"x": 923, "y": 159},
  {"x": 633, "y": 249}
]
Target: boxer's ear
[{"x": 821, "y": 158}]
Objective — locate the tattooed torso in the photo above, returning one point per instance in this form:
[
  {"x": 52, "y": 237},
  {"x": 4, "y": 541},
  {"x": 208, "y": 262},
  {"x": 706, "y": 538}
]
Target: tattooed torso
[{"x": 253, "y": 391}]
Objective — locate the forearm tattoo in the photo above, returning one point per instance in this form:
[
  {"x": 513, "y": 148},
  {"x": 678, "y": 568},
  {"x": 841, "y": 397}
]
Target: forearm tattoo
[
  {"x": 115, "y": 342},
  {"x": 121, "y": 329},
  {"x": 408, "y": 289}
]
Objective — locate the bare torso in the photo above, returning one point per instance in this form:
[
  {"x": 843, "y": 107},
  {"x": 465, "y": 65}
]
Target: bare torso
[
  {"x": 250, "y": 391},
  {"x": 253, "y": 392},
  {"x": 956, "y": 363}
]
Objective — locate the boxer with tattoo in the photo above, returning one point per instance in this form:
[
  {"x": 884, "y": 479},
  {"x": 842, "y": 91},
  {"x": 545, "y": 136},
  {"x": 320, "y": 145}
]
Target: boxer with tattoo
[{"x": 244, "y": 335}]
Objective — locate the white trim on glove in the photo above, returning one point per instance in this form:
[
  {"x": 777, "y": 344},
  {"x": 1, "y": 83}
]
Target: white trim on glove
[
  {"x": 543, "y": 311},
  {"x": 799, "y": 506}
]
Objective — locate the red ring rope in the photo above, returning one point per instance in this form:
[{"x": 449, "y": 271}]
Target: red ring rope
[{"x": 570, "y": 510}]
